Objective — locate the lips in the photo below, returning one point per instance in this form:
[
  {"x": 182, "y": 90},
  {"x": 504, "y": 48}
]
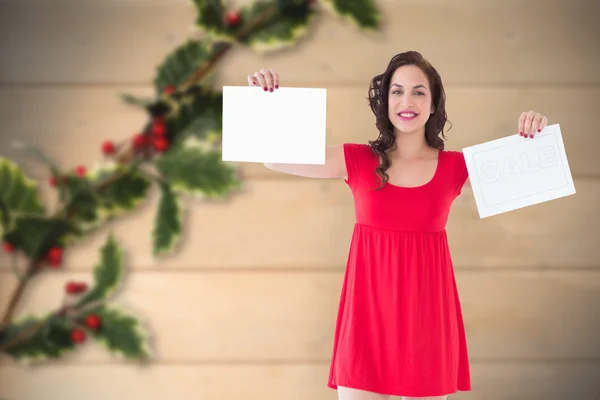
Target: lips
[{"x": 407, "y": 116}]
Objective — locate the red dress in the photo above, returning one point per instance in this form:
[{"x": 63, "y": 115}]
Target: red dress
[{"x": 399, "y": 327}]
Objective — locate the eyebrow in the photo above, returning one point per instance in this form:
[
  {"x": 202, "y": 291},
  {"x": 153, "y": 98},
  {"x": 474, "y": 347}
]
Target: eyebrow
[{"x": 414, "y": 87}]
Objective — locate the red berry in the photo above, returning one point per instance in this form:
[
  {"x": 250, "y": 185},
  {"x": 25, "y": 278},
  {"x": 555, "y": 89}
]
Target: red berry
[
  {"x": 52, "y": 181},
  {"x": 92, "y": 321},
  {"x": 8, "y": 247},
  {"x": 78, "y": 335},
  {"x": 160, "y": 144},
  {"x": 71, "y": 288},
  {"x": 159, "y": 128},
  {"x": 75, "y": 287},
  {"x": 54, "y": 256},
  {"x": 108, "y": 147},
  {"x": 139, "y": 141},
  {"x": 80, "y": 170},
  {"x": 233, "y": 18},
  {"x": 169, "y": 90}
]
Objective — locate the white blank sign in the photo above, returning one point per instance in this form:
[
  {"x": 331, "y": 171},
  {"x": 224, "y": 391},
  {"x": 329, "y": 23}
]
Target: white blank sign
[
  {"x": 287, "y": 125},
  {"x": 516, "y": 172}
]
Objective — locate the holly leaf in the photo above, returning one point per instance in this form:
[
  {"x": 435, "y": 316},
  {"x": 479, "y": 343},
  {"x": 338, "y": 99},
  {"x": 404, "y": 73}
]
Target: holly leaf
[
  {"x": 18, "y": 194},
  {"x": 35, "y": 234},
  {"x": 194, "y": 168},
  {"x": 122, "y": 333},
  {"x": 122, "y": 188},
  {"x": 107, "y": 274},
  {"x": 210, "y": 18},
  {"x": 181, "y": 64},
  {"x": 49, "y": 342},
  {"x": 280, "y": 28},
  {"x": 105, "y": 193},
  {"x": 362, "y": 13},
  {"x": 168, "y": 222},
  {"x": 136, "y": 101},
  {"x": 200, "y": 115}
]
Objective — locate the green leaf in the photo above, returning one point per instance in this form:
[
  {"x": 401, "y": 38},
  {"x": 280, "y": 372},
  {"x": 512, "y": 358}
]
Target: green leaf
[
  {"x": 107, "y": 274},
  {"x": 18, "y": 194},
  {"x": 82, "y": 201},
  {"x": 35, "y": 234},
  {"x": 288, "y": 23},
  {"x": 195, "y": 168},
  {"x": 180, "y": 65},
  {"x": 122, "y": 333},
  {"x": 167, "y": 226},
  {"x": 362, "y": 13},
  {"x": 50, "y": 342},
  {"x": 107, "y": 192},
  {"x": 136, "y": 101},
  {"x": 211, "y": 18},
  {"x": 200, "y": 115},
  {"x": 127, "y": 189}
]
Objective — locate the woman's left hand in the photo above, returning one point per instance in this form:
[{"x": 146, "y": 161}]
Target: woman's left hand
[{"x": 531, "y": 123}]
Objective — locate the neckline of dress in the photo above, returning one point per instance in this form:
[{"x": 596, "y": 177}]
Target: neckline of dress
[{"x": 435, "y": 174}]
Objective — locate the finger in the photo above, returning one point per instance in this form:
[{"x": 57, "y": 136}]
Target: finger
[
  {"x": 528, "y": 123},
  {"x": 268, "y": 78},
  {"x": 261, "y": 80},
  {"x": 522, "y": 123},
  {"x": 252, "y": 81},
  {"x": 544, "y": 123},
  {"x": 536, "y": 124},
  {"x": 275, "y": 79}
]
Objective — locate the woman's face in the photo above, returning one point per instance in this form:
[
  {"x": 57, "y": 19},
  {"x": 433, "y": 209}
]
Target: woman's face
[{"x": 409, "y": 99}]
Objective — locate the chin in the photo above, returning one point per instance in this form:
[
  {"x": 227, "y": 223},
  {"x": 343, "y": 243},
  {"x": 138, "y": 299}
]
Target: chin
[{"x": 414, "y": 127}]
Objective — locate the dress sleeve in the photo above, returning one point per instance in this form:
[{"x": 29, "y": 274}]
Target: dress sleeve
[
  {"x": 460, "y": 171},
  {"x": 354, "y": 153}
]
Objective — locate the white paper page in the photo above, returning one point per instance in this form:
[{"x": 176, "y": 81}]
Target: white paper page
[
  {"x": 515, "y": 172},
  {"x": 287, "y": 125}
]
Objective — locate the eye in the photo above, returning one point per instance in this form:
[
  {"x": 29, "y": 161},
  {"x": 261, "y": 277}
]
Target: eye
[{"x": 421, "y": 93}]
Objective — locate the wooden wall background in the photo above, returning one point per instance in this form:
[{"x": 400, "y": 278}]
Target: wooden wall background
[{"x": 246, "y": 310}]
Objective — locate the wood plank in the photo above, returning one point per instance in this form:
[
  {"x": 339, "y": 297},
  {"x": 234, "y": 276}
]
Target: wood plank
[
  {"x": 475, "y": 45},
  {"x": 71, "y": 123},
  {"x": 293, "y": 224},
  {"x": 513, "y": 381},
  {"x": 469, "y": 3},
  {"x": 284, "y": 317}
]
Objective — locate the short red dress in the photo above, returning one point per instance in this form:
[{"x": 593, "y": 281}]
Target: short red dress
[{"x": 399, "y": 328}]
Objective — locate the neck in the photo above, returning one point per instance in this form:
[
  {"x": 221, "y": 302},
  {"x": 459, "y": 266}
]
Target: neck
[{"x": 410, "y": 144}]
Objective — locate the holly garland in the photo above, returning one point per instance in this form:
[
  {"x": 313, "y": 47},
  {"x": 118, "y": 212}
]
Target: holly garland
[
  {"x": 176, "y": 149},
  {"x": 84, "y": 314}
]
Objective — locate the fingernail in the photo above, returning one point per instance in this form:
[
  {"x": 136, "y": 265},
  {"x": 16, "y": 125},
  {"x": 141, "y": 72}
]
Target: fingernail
[
  {"x": 265, "y": 88},
  {"x": 276, "y": 86},
  {"x": 531, "y": 136},
  {"x": 520, "y": 133},
  {"x": 539, "y": 130},
  {"x": 270, "y": 90}
]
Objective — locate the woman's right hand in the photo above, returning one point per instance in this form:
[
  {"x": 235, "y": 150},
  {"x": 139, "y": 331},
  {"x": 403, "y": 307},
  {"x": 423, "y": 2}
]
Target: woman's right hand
[{"x": 268, "y": 79}]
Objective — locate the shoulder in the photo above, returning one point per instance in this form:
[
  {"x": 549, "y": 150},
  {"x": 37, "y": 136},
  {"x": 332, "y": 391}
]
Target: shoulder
[
  {"x": 358, "y": 151},
  {"x": 455, "y": 156}
]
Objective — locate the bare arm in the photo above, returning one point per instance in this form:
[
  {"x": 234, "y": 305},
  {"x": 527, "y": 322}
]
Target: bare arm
[{"x": 334, "y": 167}]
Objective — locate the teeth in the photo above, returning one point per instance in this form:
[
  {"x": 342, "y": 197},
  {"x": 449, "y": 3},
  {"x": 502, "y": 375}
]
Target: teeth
[{"x": 407, "y": 114}]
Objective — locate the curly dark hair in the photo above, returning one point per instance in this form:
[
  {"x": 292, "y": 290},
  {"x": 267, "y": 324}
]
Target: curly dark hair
[{"x": 378, "y": 101}]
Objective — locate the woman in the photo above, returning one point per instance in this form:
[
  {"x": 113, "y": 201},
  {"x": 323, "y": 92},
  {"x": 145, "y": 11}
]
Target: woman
[{"x": 399, "y": 328}]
